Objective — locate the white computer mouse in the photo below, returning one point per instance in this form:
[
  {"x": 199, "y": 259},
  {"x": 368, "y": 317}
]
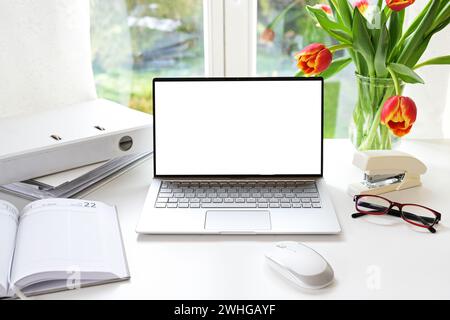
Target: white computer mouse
[{"x": 300, "y": 264}]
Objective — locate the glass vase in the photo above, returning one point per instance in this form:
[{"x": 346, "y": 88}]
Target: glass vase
[{"x": 366, "y": 131}]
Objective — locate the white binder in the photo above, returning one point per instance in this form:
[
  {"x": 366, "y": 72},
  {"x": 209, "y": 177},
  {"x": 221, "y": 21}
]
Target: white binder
[{"x": 35, "y": 145}]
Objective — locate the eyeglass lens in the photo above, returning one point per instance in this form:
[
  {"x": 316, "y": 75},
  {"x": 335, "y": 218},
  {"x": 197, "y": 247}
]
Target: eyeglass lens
[
  {"x": 414, "y": 214},
  {"x": 372, "y": 205}
]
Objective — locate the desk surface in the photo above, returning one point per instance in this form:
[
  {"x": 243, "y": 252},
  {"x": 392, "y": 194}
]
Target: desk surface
[{"x": 370, "y": 261}]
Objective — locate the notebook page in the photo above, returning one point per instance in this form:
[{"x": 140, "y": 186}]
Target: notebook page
[
  {"x": 8, "y": 228},
  {"x": 68, "y": 237}
]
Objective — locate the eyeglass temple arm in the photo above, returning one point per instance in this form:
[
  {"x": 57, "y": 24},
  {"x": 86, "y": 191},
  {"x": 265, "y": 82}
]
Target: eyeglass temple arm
[
  {"x": 415, "y": 218},
  {"x": 393, "y": 212}
]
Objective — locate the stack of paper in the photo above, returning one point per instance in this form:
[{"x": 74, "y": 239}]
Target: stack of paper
[{"x": 74, "y": 183}]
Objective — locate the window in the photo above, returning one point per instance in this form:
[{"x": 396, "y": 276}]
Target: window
[
  {"x": 135, "y": 40},
  {"x": 294, "y": 29}
]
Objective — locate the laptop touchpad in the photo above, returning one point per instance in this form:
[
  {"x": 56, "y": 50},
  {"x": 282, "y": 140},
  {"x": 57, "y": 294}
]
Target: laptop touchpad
[{"x": 237, "y": 220}]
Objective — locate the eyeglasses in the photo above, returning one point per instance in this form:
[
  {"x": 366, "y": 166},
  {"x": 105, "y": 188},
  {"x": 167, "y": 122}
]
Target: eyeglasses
[{"x": 414, "y": 214}]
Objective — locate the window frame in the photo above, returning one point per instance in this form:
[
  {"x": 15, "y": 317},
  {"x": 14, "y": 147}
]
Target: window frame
[
  {"x": 230, "y": 37},
  {"x": 213, "y": 26}
]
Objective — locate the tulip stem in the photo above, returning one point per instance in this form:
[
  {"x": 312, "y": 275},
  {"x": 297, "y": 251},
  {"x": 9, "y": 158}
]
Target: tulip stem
[
  {"x": 339, "y": 47},
  {"x": 373, "y": 130},
  {"x": 395, "y": 79}
]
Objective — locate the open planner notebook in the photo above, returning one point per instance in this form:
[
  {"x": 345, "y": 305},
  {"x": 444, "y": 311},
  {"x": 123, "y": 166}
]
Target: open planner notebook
[{"x": 59, "y": 244}]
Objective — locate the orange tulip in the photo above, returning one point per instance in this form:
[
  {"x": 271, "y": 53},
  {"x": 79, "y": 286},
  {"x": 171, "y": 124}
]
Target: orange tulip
[
  {"x": 399, "y": 114},
  {"x": 398, "y": 5},
  {"x": 267, "y": 35},
  {"x": 362, "y": 5},
  {"x": 314, "y": 59}
]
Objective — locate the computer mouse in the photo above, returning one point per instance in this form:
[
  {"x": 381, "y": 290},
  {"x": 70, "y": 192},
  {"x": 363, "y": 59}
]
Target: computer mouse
[{"x": 300, "y": 264}]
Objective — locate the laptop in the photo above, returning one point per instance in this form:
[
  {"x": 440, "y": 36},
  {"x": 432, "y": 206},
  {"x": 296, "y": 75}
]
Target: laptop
[{"x": 238, "y": 156}]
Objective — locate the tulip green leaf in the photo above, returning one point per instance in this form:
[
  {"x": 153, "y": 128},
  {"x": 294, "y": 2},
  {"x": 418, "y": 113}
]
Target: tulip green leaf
[
  {"x": 412, "y": 27},
  {"x": 361, "y": 36},
  {"x": 414, "y": 58},
  {"x": 335, "y": 29},
  {"x": 345, "y": 11},
  {"x": 336, "y": 66},
  {"x": 334, "y": 10},
  {"x": 442, "y": 19},
  {"x": 437, "y": 60},
  {"x": 419, "y": 35},
  {"x": 405, "y": 73},
  {"x": 395, "y": 28},
  {"x": 381, "y": 53}
]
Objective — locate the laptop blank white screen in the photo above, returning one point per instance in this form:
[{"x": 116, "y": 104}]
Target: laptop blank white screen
[{"x": 216, "y": 127}]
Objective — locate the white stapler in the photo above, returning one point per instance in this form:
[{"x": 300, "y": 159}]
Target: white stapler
[{"x": 386, "y": 171}]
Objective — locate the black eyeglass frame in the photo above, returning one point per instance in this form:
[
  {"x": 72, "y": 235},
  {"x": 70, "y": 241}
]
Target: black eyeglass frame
[{"x": 406, "y": 216}]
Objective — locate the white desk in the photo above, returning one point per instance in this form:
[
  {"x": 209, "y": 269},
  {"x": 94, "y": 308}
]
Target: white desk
[{"x": 408, "y": 264}]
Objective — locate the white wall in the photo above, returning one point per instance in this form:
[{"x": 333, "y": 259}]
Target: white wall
[
  {"x": 446, "y": 122},
  {"x": 45, "y": 56},
  {"x": 432, "y": 98}
]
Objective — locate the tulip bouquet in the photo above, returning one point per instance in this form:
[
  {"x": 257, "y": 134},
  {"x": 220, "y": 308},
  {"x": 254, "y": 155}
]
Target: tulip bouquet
[{"x": 385, "y": 53}]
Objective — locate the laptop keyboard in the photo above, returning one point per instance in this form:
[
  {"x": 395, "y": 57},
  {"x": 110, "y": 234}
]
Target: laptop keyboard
[{"x": 243, "y": 194}]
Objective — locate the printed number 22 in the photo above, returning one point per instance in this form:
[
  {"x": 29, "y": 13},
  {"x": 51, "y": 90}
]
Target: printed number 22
[{"x": 89, "y": 205}]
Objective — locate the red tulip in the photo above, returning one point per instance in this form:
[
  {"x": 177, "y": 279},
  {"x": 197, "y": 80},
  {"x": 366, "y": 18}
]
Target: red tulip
[
  {"x": 399, "y": 114},
  {"x": 314, "y": 59},
  {"x": 362, "y": 5},
  {"x": 398, "y": 5},
  {"x": 267, "y": 35}
]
